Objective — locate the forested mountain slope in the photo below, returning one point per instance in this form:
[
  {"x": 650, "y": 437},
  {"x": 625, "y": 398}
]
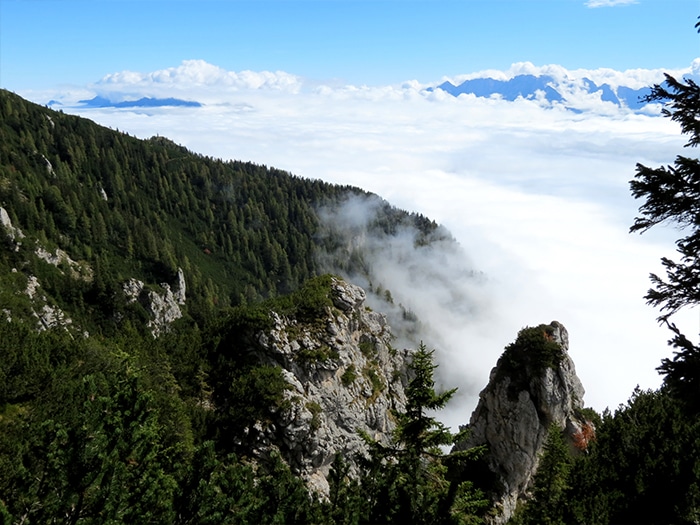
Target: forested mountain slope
[
  {"x": 171, "y": 351},
  {"x": 128, "y": 208}
]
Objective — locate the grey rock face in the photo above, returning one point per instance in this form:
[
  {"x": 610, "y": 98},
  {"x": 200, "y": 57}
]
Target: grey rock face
[
  {"x": 164, "y": 309},
  {"x": 180, "y": 288},
  {"x": 351, "y": 385},
  {"x": 77, "y": 270},
  {"x": 164, "y": 306},
  {"x": 48, "y": 316},
  {"x": 517, "y": 408},
  {"x": 13, "y": 233},
  {"x": 132, "y": 289}
]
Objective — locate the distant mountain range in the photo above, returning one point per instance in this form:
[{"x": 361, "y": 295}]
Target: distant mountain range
[
  {"x": 543, "y": 87},
  {"x": 552, "y": 89},
  {"x": 144, "y": 102},
  {"x": 577, "y": 94}
]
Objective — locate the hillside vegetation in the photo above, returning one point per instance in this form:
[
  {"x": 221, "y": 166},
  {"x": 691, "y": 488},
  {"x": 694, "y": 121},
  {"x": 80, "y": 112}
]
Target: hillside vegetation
[
  {"x": 105, "y": 418},
  {"x": 129, "y": 208}
]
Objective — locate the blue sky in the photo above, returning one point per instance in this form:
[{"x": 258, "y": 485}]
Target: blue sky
[{"x": 45, "y": 43}]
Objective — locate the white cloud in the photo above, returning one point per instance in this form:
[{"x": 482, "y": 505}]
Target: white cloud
[
  {"x": 609, "y": 3},
  {"x": 633, "y": 78},
  {"x": 209, "y": 84},
  {"x": 537, "y": 198},
  {"x": 196, "y": 78}
]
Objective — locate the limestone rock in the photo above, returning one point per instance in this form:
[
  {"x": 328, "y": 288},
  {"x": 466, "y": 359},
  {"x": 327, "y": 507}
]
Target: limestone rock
[
  {"x": 163, "y": 306},
  {"x": 344, "y": 378},
  {"x": 347, "y": 297},
  {"x": 180, "y": 288},
  {"x": 49, "y": 166},
  {"x": 48, "y": 316},
  {"x": 164, "y": 309},
  {"x": 76, "y": 269},
  {"x": 13, "y": 233},
  {"x": 51, "y": 317},
  {"x": 533, "y": 387},
  {"x": 132, "y": 289}
]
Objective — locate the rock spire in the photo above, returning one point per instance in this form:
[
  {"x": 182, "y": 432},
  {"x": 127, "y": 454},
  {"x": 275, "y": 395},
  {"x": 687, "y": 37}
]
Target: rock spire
[{"x": 532, "y": 388}]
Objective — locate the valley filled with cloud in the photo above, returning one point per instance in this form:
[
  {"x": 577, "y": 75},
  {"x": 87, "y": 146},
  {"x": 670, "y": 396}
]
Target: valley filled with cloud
[{"x": 535, "y": 191}]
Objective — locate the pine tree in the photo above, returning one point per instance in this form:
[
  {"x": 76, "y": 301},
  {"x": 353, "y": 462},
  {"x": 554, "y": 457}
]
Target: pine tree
[
  {"x": 549, "y": 495},
  {"x": 407, "y": 481},
  {"x": 672, "y": 195}
]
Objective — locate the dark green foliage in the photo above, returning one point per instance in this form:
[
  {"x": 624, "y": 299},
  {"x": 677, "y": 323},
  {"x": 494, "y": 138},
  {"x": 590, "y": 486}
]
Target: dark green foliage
[
  {"x": 244, "y": 388},
  {"x": 417, "y": 431},
  {"x": 347, "y": 502},
  {"x": 90, "y": 448},
  {"x": 309, "y": 302},
  {"x": 226, "y": 491},
  {"x": 642, "y": 468},
  {"x": 671, "y": 196},
  {"x": 349, "y": 375},
  {"x": 407, "y": 481},
  {"x": 550, "y": 496},
  {"x": 533, "y": 351},
  {"x": 110, "y": 437},
  {"x": 307, "y": 356}
]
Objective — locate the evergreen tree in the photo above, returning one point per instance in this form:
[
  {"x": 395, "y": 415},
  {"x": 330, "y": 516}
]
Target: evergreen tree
[
  {"x": 643, "y": 468},
  {"x": 98, "y": 459},
  {"x": 549, "y": 495},
  {"x": 672, "y": 195},
  {"x": 407, "y": 481}
]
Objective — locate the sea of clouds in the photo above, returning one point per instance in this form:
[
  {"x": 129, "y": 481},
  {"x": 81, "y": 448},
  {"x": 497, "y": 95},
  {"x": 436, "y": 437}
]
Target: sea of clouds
[{"x": 537, "y": 196}]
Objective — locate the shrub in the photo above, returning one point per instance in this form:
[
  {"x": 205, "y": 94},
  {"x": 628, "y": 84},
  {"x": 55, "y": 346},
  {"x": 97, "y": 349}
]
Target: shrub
[{"x": 349, "y": 376}]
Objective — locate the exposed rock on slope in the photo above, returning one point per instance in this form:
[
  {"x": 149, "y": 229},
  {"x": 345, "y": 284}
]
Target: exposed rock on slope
[
  {"x": 533, "y": 387},
  {"x": 11, "y": 231},
  {"x": 163, "y": 307},
  {"x": 345, "y": 377}
]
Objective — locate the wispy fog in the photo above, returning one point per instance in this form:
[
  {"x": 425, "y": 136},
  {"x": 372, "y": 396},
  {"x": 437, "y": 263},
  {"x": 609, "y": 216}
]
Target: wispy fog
[{"x": 536, "y": 195}]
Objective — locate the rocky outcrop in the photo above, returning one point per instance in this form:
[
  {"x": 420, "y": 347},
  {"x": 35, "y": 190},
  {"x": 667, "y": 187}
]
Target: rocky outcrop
[
  {"x": 164, "y": 309},
  {"x": 345, "y": 378},
  {"x": 14, "y": 234},
  {"x": 180, "y": 292},
  {"x": 48, "y": 316},
  {"x": 162, "y": 305},
  {"x": 534, "y": 387},
  {"x": 76, "y": 269}
]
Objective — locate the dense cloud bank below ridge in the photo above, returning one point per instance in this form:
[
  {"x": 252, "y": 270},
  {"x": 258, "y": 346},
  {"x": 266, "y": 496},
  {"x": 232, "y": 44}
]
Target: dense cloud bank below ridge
[{"x": 536, "y": 196}]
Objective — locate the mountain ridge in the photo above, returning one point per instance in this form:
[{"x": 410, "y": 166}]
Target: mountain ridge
[{"x": 532, "y": 87}]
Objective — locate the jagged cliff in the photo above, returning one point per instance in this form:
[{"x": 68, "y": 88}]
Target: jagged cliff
[
  {"x": 533, "y": 388},
  {"x": 344, "y": 378}
]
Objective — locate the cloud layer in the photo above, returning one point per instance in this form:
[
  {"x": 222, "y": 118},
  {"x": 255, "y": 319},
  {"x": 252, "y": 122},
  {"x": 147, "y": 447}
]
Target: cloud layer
[
  {"x": 536, "y": 195},
  {"x": 192, "y": 74},
  {"x": 200, "y": 81}
]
